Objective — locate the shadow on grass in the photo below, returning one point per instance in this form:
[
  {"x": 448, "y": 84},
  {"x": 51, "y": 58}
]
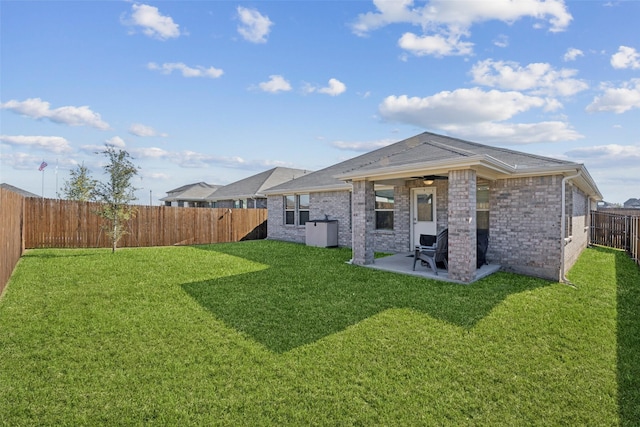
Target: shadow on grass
[
  {"x": 628, "y": 327},
  {"x": 310, "y": 293},
  {"x": 63, "y": 253}
]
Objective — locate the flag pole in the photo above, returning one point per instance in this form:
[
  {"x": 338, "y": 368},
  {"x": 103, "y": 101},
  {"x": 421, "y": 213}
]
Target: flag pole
[
  {"x": 41, "y": 169},
  {"x": 57, "y": 193}
]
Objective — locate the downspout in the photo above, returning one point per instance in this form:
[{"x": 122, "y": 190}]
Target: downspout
[{"x": 563, "y": 228}]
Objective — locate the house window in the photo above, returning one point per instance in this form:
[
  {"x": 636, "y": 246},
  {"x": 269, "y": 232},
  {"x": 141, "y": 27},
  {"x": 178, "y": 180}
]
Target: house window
[
  {"x": 303, "y": 209},
  {"x": 482, "y": 206},
  {"x": 240, "y": 204},
  {"x": 290, "y": 210},
  {"x": 296, "y": 207},
  {"x": 384, "y": 208}
]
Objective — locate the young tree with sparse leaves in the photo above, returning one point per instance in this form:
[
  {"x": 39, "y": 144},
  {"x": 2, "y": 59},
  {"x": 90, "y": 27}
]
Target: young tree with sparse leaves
[
  {"x": 116, "y": 193},
  {"x": 80, "y": 186}
]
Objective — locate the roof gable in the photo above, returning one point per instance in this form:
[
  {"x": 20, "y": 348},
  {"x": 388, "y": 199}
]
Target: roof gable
[
  {"x": 254, "y": 185},
  {"x": 191, "y": 192}
]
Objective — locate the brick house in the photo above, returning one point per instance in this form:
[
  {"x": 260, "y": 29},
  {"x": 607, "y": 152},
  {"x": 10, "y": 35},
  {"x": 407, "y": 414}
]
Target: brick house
[
  {"x": 247, "y": 192},
  {"x": 535, "y": 208},
  {"x": 191, "y": 195}
]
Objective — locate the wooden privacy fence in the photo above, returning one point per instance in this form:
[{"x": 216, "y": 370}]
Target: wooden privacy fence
[
  {"x": 52, "y": 223},
  {"x": 617, "y": 231},
  {"x": 46, "y": 223},
  {"x": 11, "y": 206}
]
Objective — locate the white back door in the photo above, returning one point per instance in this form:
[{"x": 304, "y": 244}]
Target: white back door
[{"x": 423, "y": 213}]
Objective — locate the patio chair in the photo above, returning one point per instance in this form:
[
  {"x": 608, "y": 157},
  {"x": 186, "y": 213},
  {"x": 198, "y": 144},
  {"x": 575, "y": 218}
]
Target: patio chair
[{"x": 431, "y": 255}]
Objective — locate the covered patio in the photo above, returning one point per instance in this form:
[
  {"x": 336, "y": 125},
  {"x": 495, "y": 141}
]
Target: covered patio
[{"x": 403, "y": 263}]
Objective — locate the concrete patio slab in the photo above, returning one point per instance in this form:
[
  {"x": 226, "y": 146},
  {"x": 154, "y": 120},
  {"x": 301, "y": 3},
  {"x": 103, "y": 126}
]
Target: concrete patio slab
[{"x": 403, "y": 264}]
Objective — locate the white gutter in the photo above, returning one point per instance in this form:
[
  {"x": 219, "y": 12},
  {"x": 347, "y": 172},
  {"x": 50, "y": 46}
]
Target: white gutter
[{"x": 563, "y": 228}]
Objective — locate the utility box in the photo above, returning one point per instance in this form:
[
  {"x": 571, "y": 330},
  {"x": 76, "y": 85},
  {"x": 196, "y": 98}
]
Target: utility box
[{"x": 321, "y": 232}]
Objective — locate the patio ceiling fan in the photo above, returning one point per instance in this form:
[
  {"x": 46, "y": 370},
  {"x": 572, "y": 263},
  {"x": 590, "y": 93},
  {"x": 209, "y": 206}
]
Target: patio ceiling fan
[{"x": 430, "y": 179}]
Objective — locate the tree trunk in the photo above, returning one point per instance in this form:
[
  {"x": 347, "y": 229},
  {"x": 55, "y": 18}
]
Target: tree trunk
[{"x": 115, "y": 236}]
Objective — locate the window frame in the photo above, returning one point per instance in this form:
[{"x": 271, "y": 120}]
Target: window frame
[
  {"x": 295, "y": 209},
  {"x": 483, "y": 186},
  {"x": 386, "y": 210},
  {"x": 301, "y": 210}
]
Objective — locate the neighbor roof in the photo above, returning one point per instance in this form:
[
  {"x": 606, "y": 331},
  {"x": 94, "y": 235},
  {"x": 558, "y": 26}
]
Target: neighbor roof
[
  {"x": 254, "y": 185},
  {"x": 20, "y": 191},
  {"x": 426, "y": 154},
  {"x": 197, "y": 192}
]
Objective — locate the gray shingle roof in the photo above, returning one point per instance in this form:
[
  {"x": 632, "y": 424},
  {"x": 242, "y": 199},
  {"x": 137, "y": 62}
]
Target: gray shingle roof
[
  {"x": 199, "y": 191},
  {"x": 23, "y": 193},
  {"x": 254, "y": 185},
  {"x": 419, "y": 150}
]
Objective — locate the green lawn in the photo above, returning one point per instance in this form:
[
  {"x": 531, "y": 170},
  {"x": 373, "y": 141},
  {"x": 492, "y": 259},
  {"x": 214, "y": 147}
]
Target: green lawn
[{"x": 271, "y": 333}]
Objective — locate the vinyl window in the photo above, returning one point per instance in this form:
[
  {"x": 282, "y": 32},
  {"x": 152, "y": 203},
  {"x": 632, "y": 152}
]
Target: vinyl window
[{"x": 384, "y": 208}]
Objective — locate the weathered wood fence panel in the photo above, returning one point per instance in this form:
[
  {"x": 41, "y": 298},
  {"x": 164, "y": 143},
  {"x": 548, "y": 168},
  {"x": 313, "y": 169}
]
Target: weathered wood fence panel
[
  {"x": 52, "y": 223},
  {"x": 616, "y": 231},
  {"x": 11, "y": 217}
]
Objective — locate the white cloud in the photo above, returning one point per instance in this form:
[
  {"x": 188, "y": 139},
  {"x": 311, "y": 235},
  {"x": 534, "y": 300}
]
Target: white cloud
[
  {"x": 54, "y": 144},
  {"x": 275, "y": 84},
  {"x": 116, "y": 141},
  {"x": 572, "y": 54},
  {"x": 157, "y": 176},
  {"x": 254, "y": 26},
  {"x": 501, "y": 41},
  {"x": 364, "y": 146},
  {"x": 36, "y": 108},
  {"x": 610, "y": 154},
  {"x": 21, "y": 161},
  {"x": 617, "y": 99},
  {"x": 468, "y": 105},
  {"x": 516, "y": 133},
  {"x": 436, "y": 45},
  {"x": 198, "y": 71},
  {"x": 334, "y": 88},
  {"x": 153, "y": 23},
  {"x": 538, "y": 78},
  {"x": 478, "y": 114},
  {"x": 627, "y": 57},
  {"x": 151, "y": 153},
  {"x": 443, "y": 22},
  {"x": 138, "y": 129}
]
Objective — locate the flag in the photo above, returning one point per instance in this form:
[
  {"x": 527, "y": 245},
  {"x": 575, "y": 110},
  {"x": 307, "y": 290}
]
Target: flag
[{"x": 42, "y": 166}]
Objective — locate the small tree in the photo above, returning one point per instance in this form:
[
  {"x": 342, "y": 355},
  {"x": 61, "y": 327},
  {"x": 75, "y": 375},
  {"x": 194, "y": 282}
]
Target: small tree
[
  {"x": 116, "y": 193},
  {"x": 80, "y": 186}
]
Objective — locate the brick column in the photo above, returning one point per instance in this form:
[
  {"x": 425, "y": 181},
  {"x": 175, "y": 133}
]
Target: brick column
[
  {"x": 363, "y": 222},
  {"x": 462, "y": 225}
]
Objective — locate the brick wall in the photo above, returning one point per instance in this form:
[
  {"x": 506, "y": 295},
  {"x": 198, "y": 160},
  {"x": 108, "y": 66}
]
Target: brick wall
[
  {"x": 525, "y": 224},
  {"x": 579, "y": 236},
  {"x": 462, "y": 225},
  {"x": 334, "y": 204},
  {"x": 363, "y": 222}
]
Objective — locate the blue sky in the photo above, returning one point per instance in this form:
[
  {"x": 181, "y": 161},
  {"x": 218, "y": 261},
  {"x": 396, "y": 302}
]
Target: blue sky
[{"x": 216, "y": 91}]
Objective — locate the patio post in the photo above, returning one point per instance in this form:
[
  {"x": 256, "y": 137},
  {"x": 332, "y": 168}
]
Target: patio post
[
  {"x": 462, "y": 225},
  {"x": 363, "y": 222}
]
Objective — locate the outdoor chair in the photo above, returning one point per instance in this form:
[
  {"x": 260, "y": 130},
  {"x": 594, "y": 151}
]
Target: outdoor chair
[{"x": 432, "y": 255}]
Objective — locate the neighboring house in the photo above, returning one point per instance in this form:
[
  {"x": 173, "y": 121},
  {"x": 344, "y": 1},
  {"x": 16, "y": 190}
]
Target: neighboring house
[
  {"x": 535, "y": 208},
  {"x": 23, "y": 193},
  {"x": 632, "y": 204},
  {"x": 191, "y": 195},
  {"x": 248, "y": 192}
]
